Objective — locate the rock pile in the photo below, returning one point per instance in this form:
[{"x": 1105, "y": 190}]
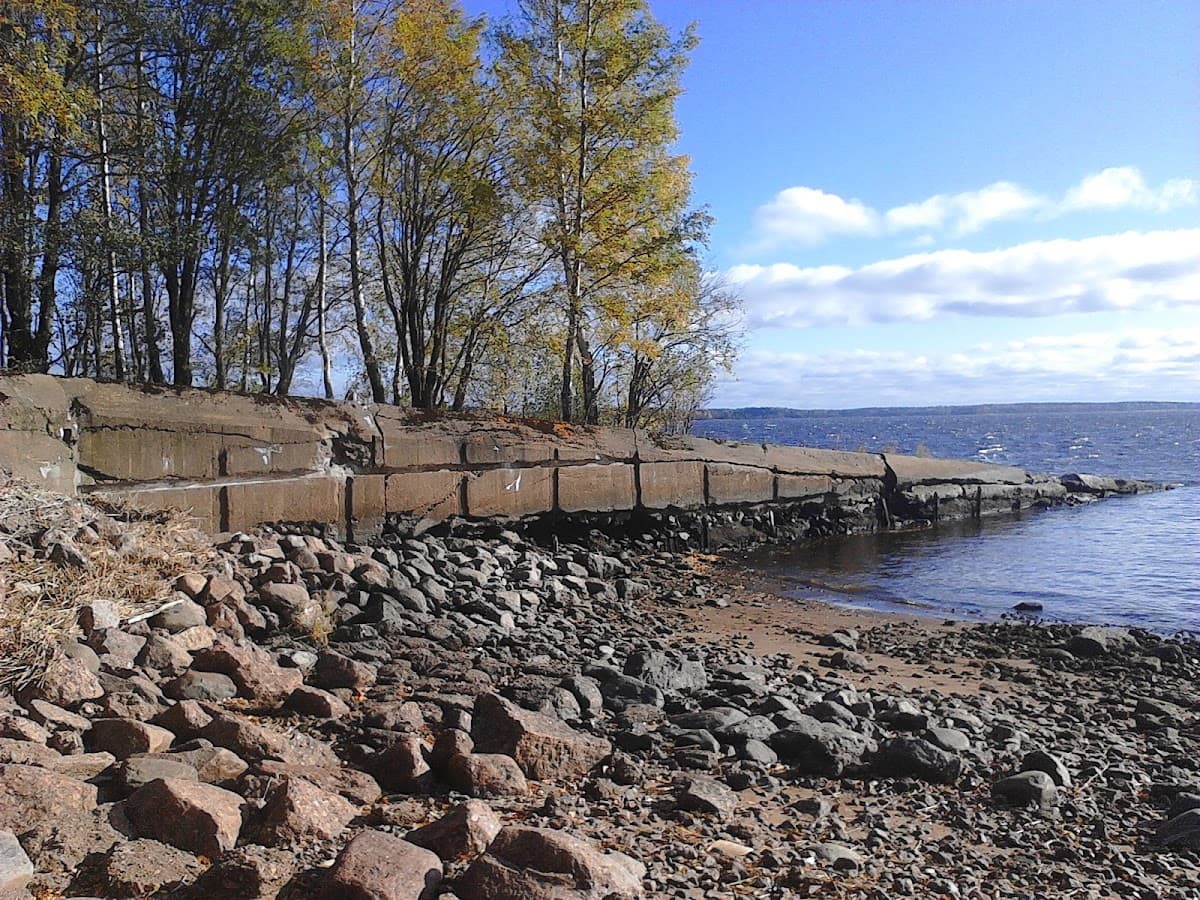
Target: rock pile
[{"x": 469, "y": 713}]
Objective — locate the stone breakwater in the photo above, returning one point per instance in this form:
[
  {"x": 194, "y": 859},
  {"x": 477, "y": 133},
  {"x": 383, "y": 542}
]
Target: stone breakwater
[
  {"x": 473, "y": 712},
  {"x": 236, "y": 462}
]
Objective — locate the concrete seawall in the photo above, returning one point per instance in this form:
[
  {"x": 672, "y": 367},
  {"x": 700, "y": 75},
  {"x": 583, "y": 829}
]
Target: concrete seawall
[{"x": 234, "y": 461}]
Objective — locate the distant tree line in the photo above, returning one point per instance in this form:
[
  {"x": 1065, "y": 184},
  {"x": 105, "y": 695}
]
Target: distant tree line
[{"x": 280, "y": 195}]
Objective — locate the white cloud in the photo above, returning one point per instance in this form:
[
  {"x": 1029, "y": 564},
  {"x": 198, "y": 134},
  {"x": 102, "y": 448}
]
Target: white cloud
[
  {"x": 807, "y": 216},
  {"x": 1132, "y": 270},
  {"x": 1124, "y": 187},
  {"x": 967, "y": 212},
  {"x": 1150, "y": 364},
  {"x": 804, "y": 216}
]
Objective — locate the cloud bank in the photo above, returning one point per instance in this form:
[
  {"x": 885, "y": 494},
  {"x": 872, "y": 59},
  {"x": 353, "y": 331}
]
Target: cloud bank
[
  {"x": 806, "y": 216},
  {"x": 1144, "y": 364},
  {"x": 1129, "y": 271}
]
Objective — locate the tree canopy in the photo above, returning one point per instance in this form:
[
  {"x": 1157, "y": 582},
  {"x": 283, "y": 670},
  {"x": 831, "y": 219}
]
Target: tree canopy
[{"x": 386, "y": 198}]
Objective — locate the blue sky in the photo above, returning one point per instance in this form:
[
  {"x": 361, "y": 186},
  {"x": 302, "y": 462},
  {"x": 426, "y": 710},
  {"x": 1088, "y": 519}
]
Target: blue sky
[{"x": 949, "y": 202}]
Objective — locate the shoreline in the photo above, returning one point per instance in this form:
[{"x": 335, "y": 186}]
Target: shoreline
[{"x": 487, "y": 716}]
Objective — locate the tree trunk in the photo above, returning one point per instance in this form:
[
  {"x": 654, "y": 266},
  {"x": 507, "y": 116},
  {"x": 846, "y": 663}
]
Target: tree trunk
[
  {"x": 322, "y": 278},
  {"x": 111, "y": 286},
  {"x": 48, "y": 278},
  {"x": 349, "y": 164},
  {"x": 149, "y": 314}
]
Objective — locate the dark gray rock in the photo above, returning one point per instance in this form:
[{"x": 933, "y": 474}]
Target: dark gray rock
[
  {"x": 913, "y": 757},
  {"x": 1041, "y": 761},
  {"x": 669, "y": 672},
  {"x": 1027, "y": 788},
  {"x": 820, "y": 748}
]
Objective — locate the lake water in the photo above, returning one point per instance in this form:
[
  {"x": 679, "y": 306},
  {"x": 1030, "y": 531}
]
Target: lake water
[{"x": 1130, "y": 560}]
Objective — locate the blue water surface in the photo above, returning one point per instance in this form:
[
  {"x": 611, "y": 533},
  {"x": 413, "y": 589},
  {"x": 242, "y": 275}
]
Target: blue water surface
[{"x": 1131, "y": 561}]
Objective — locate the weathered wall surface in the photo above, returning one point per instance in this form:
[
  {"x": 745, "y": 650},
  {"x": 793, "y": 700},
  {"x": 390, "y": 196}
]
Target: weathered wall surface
[{"x": 234, "y": 461}]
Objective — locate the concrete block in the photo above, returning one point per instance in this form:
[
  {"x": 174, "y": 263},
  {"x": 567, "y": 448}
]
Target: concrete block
[
  {"x": 794, "y": 487},
  {"x": 813, "y": 461},
  {"x": 433, "y": 494},
  {"x": 261, "y": 458},
  {"x": 857, "y": 488},
  {"x": 729, "y": 484},
  {"x": 366, "y": 499},
  {"x": 38, "y": 403},
  {"x": 315, "y": 499},
  {"x": 132, "y": 454},
  {"x": 507, "y": 445},
  {"x": 596, "y": 488},
  {"x": 201, "y": 502},
  {"x": 912, "y": 470},
  {"x": 578, "y": 443},
  {"x": 671, "y": 484},
  {"x": 40, "y": 459},
  {"x": 420, "y": 446},
  {"x": 510, "y": 492},
  {"x": 682, "y": 447}
]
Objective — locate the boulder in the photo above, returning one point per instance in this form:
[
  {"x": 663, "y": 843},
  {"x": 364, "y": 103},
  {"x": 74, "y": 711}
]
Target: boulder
[
  {"x": 185, "y": 719},
  {"x": 164, "y": 654},
  {"x": 543, "y": 864},
  {"x": 29, "y": 794},
  {"x": 465, "y": 831},
  {"x": 297, "y": 811},
  {"x": 485, "y": 775},
  {"x": 199, "y": 818},
  {"x": 402, "y": 766},
  {"x": 117, "y": 649},
  {"x": 377, "y": 866},
  {"x": 125, "y": 737},
  {"x": 213, "y": 765},
  {"x": 1182, "y": 831},
  {"x": 1041, "y": 761},
  {"x": 15, "y": 867},
  {"x": 914, "y": 757},
  {"x": 193, "y": 685},
  {"x": 1027, "y": 788},
  {"x": 544, "y": 747},
  {"x": 258, "y": 678},
  {"x": 18, "y": 728},
  {"x": 293, "y": 604},
  {"x": 55, "y": 717},
  {"x": 250, "y": 871},
  {"x": 820, "y": 748},
  {"x": 839, "y": 856},
  {"x": 252, "y": 741},
  {"x": 669, "y": 672},
  {"x": 713, "y": 719},
  {"x": 1099, "y": 640},
  {"x": 357, "y": 787},
  {"x": 179, "y": 616},
  {"x": 137, "y": 771},
  {"x": 311, "y": 701},
  {"x": 84, "y": 766},
  {"x": 68, "y": 683},
  {"x": 333, "y": 670},
  {"x": 25, "y": 753},
  {"x": 142, "y": 868},
  {"x": 707, "y": 795},
  {"x": 99, "y": 614}
]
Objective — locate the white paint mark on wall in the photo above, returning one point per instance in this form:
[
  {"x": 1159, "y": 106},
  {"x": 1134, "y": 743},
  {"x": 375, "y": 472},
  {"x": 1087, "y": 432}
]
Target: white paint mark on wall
[
  {"x": 168, "y": 463},
  {"x": 514, "y": 486},
  {"x": 50, "y": 470},
  {"x": 267, "y": 452}
]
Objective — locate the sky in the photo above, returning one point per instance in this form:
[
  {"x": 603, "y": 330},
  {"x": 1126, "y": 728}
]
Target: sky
[{"x": 930, "y": 203}]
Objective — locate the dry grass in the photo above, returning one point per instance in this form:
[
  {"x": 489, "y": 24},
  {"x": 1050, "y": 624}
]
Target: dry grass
[{"x": 132, "y": 561}]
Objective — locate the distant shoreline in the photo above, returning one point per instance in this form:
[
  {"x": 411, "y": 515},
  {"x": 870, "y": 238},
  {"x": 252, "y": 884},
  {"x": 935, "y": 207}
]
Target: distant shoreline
[{"x": 784, "y": 412}]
